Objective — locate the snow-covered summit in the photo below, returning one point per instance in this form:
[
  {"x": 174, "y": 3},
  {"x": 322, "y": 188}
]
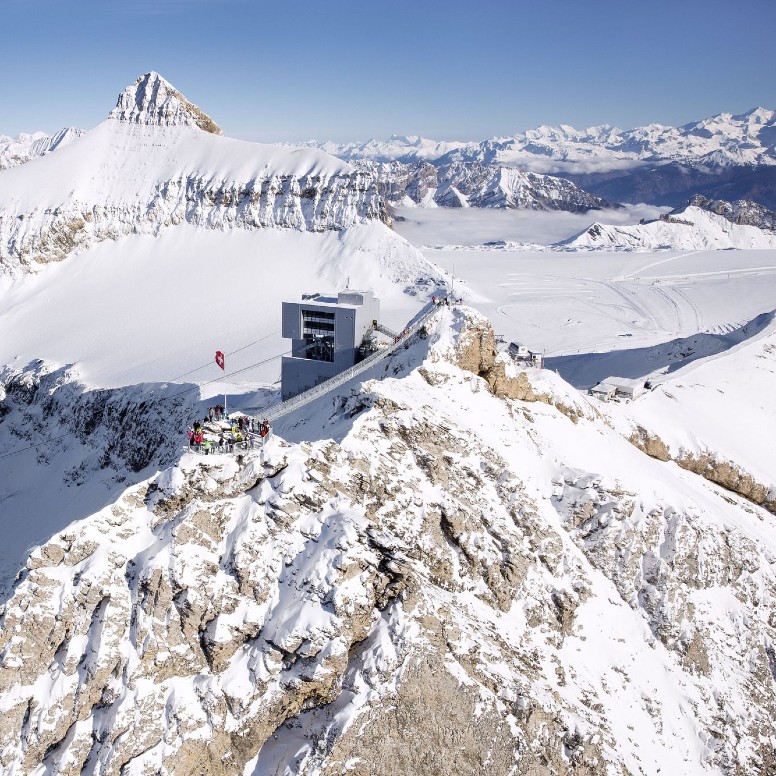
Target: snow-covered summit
[
  {"x": 691, "y": 229},
  {"x": 27, "y": 146},
  {"x": 747, "y": 138},
  {"x": 150, "y": 166},
  {"x": 153, "y": 100}
]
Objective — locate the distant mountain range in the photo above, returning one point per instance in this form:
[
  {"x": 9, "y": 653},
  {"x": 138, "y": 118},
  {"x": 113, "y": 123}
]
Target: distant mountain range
[
  {"x": 16, "y": 151},
  {"x": 722, "y": 140},
  {"x": 725, "y": 156},
  {"x": 730, "y": 157},
  {"x": 472, "y": 184}
]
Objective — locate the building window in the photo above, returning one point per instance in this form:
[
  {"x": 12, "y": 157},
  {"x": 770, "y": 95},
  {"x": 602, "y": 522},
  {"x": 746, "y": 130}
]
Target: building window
[{"x": 318, "y": 335}]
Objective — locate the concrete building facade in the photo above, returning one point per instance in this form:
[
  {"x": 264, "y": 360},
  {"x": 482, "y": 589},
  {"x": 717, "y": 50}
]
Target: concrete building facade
[{"x": 325, "y": 332}]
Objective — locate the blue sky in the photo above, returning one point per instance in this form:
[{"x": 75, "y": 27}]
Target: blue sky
[{"x": 345, "y": 70}]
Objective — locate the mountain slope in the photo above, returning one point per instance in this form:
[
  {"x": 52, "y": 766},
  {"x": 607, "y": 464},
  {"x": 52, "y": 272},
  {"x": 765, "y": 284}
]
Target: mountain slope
[
  {"x": 14, "y": 152},
  {"x": 151, "y": 166},
  {"x": 689, "y": 229},
  {"x": 509, "y": 583}
]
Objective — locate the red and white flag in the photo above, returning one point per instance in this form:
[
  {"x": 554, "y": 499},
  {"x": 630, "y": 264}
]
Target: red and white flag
[{"x": 220, "y": 359}]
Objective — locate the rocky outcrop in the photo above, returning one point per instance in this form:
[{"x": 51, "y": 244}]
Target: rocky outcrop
[
  {"x": 741, "y": 211},
  {"x": 475, "y": 351},
  {"x": 650, "y": 443},
  {"x": 466, "y": 184},
  {"x": 707, "y": 464},
  {"x": 152, "y": 100},
  {"x": 729, "y": 476}
]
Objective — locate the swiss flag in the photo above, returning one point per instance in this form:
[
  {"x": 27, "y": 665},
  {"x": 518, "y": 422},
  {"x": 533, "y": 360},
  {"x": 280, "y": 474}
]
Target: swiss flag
[{"x": 220, "y": 359}]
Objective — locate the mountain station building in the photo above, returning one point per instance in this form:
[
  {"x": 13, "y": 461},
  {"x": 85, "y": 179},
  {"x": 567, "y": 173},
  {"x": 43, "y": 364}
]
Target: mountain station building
[{"x": 326, "y": 334}]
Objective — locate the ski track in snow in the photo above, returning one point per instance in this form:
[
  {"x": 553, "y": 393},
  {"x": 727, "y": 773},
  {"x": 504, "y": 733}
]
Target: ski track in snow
[
  {"x": 696, "y": 311},
  {"x": 674, "y": 306},
  {"x": 637, "y": 272}
]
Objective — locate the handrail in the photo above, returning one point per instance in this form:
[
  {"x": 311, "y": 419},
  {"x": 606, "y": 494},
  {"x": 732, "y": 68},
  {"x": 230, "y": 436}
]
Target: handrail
[
  {"x": 386, "y": 330},
  {"x": 304, "y": 398}
]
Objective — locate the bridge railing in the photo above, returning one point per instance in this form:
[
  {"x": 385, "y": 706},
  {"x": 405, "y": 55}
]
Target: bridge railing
[{"x": 304, "y": 398}]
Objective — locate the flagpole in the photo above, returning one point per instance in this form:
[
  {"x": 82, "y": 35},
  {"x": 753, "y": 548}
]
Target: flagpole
[{"x": 221, "y": 361}]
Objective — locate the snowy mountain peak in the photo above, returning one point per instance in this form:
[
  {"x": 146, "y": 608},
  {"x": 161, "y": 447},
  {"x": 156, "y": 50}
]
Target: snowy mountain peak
[
  {"x": 27, "y": 146},
  {"x": 757, "y": 115},
  {"x": 153, "y": 100}
]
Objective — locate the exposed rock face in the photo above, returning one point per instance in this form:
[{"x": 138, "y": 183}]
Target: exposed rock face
[
  {"x": 462, "y": 184},
  {"x": 741, "y": 211},
  {"x": 476, "y": 352},
  {"x": 310, "y": 203},
  {"x": 708, "y": 465},
  {"x": 433, "y": 593},
  {"x": 730, "y": 476},
  {"x": 152, "y": 100},
  {"x": 126, "y": 429}
]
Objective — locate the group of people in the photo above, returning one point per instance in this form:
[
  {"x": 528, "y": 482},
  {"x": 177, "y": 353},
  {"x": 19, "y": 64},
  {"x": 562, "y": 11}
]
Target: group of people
[
  {"x": 217, "y": 412},
  {"x": 216, "y": 439}
]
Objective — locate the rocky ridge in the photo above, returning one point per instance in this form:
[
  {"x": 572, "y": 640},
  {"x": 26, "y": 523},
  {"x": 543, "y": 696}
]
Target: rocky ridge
[
  {"x": 429, "y": 587},
  {"x": 741, "y": 211},
  {"x": 157, "y": 162},
  {"x": 477, "y": 185},
  {"x": 17, "y": 151},
  {"x": 689, "y": 228}
]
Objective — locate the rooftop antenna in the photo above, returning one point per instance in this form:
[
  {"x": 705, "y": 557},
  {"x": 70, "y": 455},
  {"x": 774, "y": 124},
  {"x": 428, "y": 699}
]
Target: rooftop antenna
[{"x": 347, "y": 284}]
